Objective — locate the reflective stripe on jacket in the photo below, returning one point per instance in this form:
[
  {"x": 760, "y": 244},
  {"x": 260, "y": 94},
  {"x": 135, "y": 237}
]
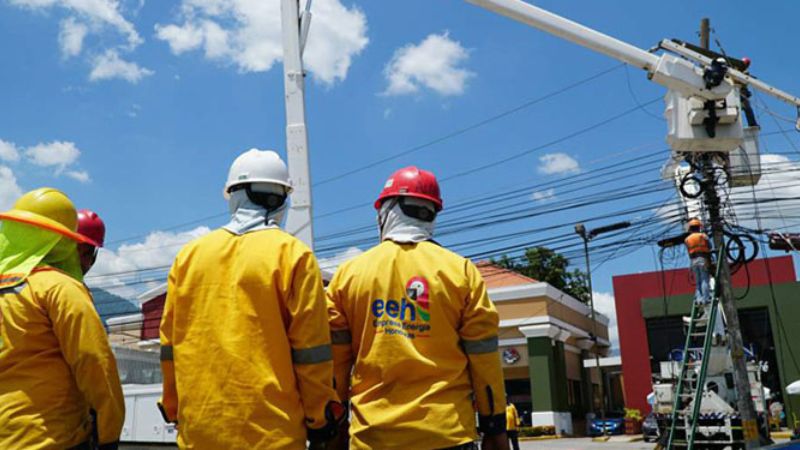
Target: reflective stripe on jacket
[
  {"x": 416, "y": 326},
  {"x": 245, "y": 342},
  {"x": 697, "y": 244},
  {"x": 55, "y": 365}
]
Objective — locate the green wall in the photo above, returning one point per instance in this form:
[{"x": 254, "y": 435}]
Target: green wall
[{"x": 548, "y": 374}]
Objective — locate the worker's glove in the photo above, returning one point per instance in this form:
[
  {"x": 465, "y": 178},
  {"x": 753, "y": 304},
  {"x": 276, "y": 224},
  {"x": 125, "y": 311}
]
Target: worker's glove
[
  {"x": 318, "y": 438},
  {"x": 492, "y": 425}
]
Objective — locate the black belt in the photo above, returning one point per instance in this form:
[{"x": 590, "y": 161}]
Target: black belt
[
  {"x": 467, "y": 446},
  {"x": 87, "y": 445}
]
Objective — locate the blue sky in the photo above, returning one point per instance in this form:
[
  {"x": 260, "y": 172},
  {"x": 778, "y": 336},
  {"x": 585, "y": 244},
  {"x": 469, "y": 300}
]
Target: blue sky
[{"x": 136, "y": 108}]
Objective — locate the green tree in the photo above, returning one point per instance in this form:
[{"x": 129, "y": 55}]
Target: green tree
[{"x": 546, "y": 265}]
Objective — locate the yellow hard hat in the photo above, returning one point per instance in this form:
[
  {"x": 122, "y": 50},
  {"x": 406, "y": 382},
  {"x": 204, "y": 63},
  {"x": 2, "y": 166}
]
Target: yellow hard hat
[
  {"x": 695, "y": 223},
  {"x": 49, "y": 209}
]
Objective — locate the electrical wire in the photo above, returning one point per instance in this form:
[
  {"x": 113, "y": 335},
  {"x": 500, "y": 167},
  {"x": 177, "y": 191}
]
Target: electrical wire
[{"x": 470, "y": 127}]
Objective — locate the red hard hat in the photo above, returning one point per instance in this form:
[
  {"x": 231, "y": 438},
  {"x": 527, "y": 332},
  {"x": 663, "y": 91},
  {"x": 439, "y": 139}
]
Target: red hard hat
[
  {"x": 411, "y": 182},
  {"x": 91, "y": 226}
]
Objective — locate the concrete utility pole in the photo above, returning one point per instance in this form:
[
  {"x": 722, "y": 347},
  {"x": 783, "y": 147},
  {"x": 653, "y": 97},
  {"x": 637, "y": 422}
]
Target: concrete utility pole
[
  {"x": 295, "y": 30},
  {"x": 744, "y": 400}
]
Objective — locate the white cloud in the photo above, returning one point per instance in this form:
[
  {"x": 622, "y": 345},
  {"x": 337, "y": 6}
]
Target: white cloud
[
  {"x": 61, "y": 155},
  {"x": 541, "y": 196},
  {"x": 8, "y": 151},
  {"x": 103, "y": 18},
  {"x": 435, "y": 63},
  {"x": 101, "y": 13},
  {"x": 71, "y": 36},
  {"x": 9, "y": 189},
  {"x": 134, "y": 111},
  {"x": 777, "y": 194},
  {"x": 247, "y": 34},
  {"x": 333, "y": 263},
  {"x": 558, "y": 163},
  {"x": 182, "y": 38},
  {"x": 109, "y": 66},
  {"x": 121, "y": 273},
  {"x": 780, "y": 179},
  {"x": 58, "y": 154},
  {"x": 604, "y": 303},
  {"x": 79, "y": 175}
]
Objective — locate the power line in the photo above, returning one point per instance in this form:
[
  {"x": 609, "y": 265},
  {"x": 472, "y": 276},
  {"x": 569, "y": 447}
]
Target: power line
[
  {"x": 471, "y": 127},
  {"x": 564, "y": 138}
]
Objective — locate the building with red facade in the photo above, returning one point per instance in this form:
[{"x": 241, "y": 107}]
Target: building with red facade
[{"x": 650, "y": 307}]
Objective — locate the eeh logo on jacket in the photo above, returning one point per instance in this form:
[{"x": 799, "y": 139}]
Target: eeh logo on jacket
[
  {"x": 399, "y": 317},
  {"x": 417, "y": 290}
]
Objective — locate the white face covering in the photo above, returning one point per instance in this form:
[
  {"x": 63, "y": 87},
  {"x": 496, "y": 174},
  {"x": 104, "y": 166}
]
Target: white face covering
[
  {"x": 246, "y": 216},
  {"x": 394, "y": 225}
]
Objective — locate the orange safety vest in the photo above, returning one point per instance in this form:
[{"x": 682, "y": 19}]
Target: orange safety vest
[{"x": 697, "y": 244}]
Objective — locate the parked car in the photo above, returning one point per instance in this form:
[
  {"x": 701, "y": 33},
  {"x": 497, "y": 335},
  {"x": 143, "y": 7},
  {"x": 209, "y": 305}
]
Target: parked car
[
  {"x": 650, "y": 428},
  {"x": 614, "y": 423}
]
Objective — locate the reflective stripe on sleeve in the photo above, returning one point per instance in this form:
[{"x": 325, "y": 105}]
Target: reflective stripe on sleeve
[
  {"x": 487, "y": 345},
  {"x": 341, "y": 337},
  {"x": 313, "y": 355},
  {"x": 166, "y": 353}
]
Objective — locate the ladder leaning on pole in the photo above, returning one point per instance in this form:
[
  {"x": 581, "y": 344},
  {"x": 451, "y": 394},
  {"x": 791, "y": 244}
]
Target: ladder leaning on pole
[{"x": 699, "y": 336}]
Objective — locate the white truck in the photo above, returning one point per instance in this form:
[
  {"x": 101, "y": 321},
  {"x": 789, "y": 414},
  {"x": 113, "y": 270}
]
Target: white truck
[{"x": 143, "y": 421}]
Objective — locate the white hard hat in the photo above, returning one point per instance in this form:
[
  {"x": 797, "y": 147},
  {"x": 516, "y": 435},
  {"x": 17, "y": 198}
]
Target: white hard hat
[{"x": 258, "y": 166}]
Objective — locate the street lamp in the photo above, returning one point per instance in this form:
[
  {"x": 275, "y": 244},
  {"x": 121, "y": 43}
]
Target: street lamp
[{"x": 588, "y": 235}]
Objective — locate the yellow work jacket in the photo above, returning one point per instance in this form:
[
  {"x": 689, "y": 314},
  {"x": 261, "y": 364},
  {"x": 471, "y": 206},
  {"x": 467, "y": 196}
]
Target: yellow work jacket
[
  {"x": 55, "y": 365},
  {"x": 512, "y": 418},
  {"x": 246, "y": 354},
  {"x": 415, "y": 325}
]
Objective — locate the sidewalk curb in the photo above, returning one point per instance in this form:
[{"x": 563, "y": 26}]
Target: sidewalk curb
[{"x": 540, "y": 438}]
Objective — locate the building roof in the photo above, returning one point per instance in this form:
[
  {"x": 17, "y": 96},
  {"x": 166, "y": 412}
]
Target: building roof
[
  {"x": 109, "y": 305},
  {"x": 496, "y": 276}
]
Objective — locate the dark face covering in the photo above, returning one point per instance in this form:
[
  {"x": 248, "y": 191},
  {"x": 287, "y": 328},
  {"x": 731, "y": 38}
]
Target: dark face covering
[{"x": 88, "y": 255}]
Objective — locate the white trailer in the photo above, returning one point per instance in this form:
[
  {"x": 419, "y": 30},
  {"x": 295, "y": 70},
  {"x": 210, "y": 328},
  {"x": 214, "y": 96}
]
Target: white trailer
[{"x": 143, "y": 421}]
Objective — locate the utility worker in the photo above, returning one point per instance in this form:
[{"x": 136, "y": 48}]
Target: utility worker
[
  {"x": 59, "y": 386},
  {"x": 700, "y": 257},
  {"x": 414, "y": 324},
  {"x": 245, "y": 343},
  {"x": 512, "y": 424},
  {"x": 92, "y": 227}
]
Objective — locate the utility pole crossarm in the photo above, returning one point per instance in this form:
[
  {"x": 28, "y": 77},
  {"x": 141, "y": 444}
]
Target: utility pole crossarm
[{"x": 735, "y": 75}]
